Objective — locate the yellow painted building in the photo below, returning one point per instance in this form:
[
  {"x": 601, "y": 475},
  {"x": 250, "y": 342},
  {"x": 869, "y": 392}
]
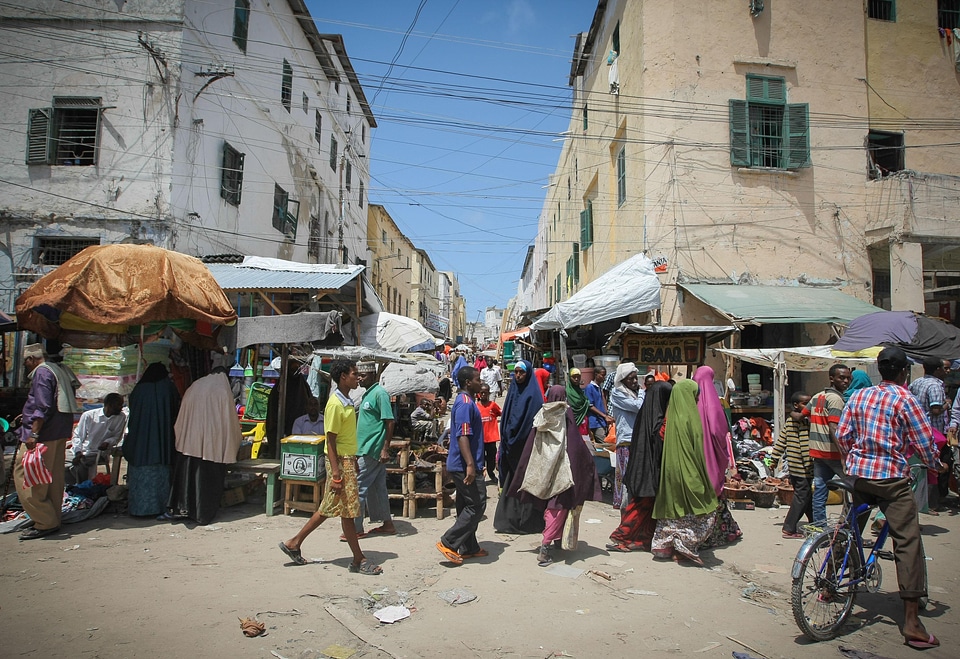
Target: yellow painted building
[{"x": 391, "y": 261}]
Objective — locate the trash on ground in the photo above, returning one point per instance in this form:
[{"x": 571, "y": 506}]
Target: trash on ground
[
  {"x": 391, "y": 614},
  {"x": 339, "y": 652},
  {"x": 601, "y": 574},
  {"x": 634, "y": 591},
  {"x": 593, "y": 521},
  {"x": 561, "y": 570},
  {"x": 71, "y": 548},
  {"x": 456, "y": 596},
  {"x": 251, "y": 627}
]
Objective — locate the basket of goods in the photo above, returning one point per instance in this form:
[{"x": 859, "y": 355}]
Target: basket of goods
[
  {"x": 785, "y": 493},
  {"x": 773, "y": 482},
  {"x": 762, "y": 494},
  {"x": 735, "y": 490}
]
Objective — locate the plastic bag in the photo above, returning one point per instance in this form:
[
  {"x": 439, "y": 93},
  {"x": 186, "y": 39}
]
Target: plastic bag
[{"x": 34, "y": 471}]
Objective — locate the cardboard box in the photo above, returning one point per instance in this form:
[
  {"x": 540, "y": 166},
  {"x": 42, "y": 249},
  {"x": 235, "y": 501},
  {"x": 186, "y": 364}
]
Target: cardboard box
[
  {"x": 232, "y": 497},
  {"x": 742, "y": 504}
]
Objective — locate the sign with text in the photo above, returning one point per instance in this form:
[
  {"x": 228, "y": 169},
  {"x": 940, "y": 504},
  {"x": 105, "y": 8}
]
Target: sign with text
[
  {"x": 437, "y": 323},
  {"x": 653, "y": 350}
]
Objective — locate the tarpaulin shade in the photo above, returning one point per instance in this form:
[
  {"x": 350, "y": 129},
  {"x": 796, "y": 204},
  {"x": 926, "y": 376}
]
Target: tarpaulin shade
[
  {"x": 627, "y": 288},
  {"x": 303, "y": 327},
  {"x": 917, "y": 334},
  {"x": 393, "y": 333},
  {"x": 745, "y": 304},
  {"x": 124, "y": 285}
]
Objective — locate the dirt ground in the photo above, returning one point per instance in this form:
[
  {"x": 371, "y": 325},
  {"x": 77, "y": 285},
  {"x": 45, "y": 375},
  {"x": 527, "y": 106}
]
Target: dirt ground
[{"x": 117, "y": 586}]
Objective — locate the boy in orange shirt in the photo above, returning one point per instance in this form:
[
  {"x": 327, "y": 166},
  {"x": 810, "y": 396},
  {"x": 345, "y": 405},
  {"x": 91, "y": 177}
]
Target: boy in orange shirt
[{"x": 489, "y": 414}]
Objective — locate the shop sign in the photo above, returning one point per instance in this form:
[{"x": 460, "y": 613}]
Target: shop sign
[
  {"x": 663, "y": 349},
  {"x": 660, "y": 265},
  {"x": 437, "y": 323}
]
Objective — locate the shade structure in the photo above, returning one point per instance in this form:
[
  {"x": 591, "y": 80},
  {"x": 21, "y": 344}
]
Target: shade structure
[
  {"x": 393, "y": 333},
  {"x": 108, "y": 288},
  {"x": 420, "y": 378},
  {"x": 917, "y": 334},
  {"x": 629, "y": 287}
]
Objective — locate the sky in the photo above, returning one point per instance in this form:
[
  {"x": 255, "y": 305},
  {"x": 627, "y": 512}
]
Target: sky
[{"x": 470, "y": 98}]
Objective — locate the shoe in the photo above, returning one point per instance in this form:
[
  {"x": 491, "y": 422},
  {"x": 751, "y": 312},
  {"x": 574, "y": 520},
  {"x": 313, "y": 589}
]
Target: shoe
[
  {"x": 360, "y": 536},
  {"x": 380, "y": 531},
  {"x": 792, "y": 536},
  {"x": 480, "y": 553},
  {"x": 919, "y": 644},
  {"x": 34, "y": 533},
  {"x": 366, "y": 567},
  {"x": 543, "y": 556},
  {"x": 293, "y": 554},
  {"x": 450, "y": 555}
]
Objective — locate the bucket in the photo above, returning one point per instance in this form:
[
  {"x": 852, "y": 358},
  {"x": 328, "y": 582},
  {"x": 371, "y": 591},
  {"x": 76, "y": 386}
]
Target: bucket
[
  {"x": 579, "y": 361},
  {"x": 609, "y": 362}
]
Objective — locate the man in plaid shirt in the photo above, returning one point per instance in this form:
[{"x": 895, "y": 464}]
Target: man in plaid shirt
[{"x": 877, "y": 427}]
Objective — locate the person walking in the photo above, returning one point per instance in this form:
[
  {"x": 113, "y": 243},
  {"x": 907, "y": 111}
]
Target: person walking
[
  {"x": 642, "y": 476},
  {"x": 490, "y": 415},
  {"x": 341, "y": 496},
  {"x": 793, "y": 444},
  {"x": 464, "y": 465},
  {"x": 553, "y": 425},
  {"x": 875, "y": 431},
  {"x": 625, "y": 402},
  {"x": 47, "y": 421},
  {"x": 492, "y": 377},
  {"x": 824, "y": 411},
  {"x": 374, "y": 433}
]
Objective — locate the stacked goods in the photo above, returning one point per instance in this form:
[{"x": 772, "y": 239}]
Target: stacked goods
[{"x": 112, "y": 370}]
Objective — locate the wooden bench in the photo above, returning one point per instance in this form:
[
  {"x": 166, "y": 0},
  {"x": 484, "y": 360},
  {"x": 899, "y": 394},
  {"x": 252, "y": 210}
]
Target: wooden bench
[{"x": 269, "y": 467}]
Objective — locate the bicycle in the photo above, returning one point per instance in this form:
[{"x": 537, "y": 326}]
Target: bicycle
[{"x": 831, "y": 568}]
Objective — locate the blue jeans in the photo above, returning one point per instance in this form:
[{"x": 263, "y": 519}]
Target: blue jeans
[{"x": 823, "y": 470}]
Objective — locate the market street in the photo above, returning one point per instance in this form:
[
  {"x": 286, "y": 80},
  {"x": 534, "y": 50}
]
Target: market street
[{"x": 117, "y": 586}]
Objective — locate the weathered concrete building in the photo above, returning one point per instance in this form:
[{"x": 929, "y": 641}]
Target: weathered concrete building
[
  {"x": 452, "y": 306},
  {"x": 222, "y": 126},
  {"x": 424, "y": 298},
  {"x": 808, "y": 145},
  {"x": 391, "y": 262}
]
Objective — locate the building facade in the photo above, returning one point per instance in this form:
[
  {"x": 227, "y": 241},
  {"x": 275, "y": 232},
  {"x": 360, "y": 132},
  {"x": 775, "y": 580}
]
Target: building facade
[
  {"x": 810, "y": 145},
  {"x": 391, "y": 262},
  {"x": 424, "y": 290},
  {"x": 222, "y": 126}
]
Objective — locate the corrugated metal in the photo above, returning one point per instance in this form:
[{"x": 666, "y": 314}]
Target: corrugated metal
[
  {"x": 759, "y": 305},
  {"x": 237, "y": 277}
]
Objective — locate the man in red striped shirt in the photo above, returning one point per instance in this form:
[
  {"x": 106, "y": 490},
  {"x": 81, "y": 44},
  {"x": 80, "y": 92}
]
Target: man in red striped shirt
[
  {"x": 824, "y": 410},
  {"x": 877, "y": 428}
]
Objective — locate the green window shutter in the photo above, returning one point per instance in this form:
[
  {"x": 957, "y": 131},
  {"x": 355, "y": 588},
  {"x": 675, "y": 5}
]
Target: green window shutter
[
  {"x": 796, "y": 121},
  {"x": 765, "y": 89},
  {"x": 739, "y": 133},
  {"x": 585, "y": 123},
  {"x": 576, "y": 263},
  {"x": 589, "y": 223},
  {"x": 39, "y": 123},
  {"x": 584, "y": 236}
]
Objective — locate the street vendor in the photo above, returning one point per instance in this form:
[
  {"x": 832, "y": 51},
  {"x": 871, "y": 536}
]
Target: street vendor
[
  {"x": 96, "y": 434},
  {"x": 310, "y": 423}
]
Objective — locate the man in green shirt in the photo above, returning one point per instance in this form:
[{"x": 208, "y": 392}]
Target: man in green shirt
[
  {"x": 341, "y": 497},
  {"x": 374, "y": 432}
]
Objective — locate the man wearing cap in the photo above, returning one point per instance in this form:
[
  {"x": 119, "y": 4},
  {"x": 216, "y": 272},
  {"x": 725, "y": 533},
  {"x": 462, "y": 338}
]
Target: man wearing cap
[
  {"x": 48, "y": 420},
  {"x": 877, "y": 428},
  {"x": 374, "y": 432}
]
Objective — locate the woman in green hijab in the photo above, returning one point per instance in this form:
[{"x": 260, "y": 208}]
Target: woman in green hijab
[
  {"x": 686, "y": 503},
  {"x": 577, "y": 400}
]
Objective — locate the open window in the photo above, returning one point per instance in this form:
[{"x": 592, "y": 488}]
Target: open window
[
  {"x": 885, "y": 153},
  {"x": 765, "y": 130},
  {"x": 66, "y": 134}
]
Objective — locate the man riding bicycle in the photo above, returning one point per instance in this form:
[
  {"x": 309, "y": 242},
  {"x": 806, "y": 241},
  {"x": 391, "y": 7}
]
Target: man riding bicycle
[{"x": 877, "y": 428}]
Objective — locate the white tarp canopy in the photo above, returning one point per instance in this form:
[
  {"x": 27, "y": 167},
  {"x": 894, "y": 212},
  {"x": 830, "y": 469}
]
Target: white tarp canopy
[
  {"x": 781, "y": 360},
  {"x": 627, "y": 288},
  {"x": 393, "y": 333},
  {"x": 411, "y": 378}
]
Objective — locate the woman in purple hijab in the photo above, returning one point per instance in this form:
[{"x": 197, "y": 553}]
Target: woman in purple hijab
[{"x": 717, "y": 452}]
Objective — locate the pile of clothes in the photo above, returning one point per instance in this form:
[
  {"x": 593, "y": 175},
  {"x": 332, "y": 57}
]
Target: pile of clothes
[
  {"x": 80, "y": 502},
  {"x": 751, "y": 434}
]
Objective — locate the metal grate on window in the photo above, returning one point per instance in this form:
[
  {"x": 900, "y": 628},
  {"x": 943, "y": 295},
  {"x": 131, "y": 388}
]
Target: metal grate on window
[
  {"x": 76, "y": 124},
  {"x": 51, "y": 250},
  {"x": 231, "y": 178},
  {"x": 766, "y": 135},
  {"x": 881, "y": 10},
  {"x": 948, "y": 14}
]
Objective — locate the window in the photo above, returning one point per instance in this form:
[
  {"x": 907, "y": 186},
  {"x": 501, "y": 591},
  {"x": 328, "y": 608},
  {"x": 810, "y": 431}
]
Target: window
[
  {"x": 50, "y": 250},
  {"x": 383, "y": 236},
  {"x": 363, "y": 134},
  {"x": 313, "y": 242},
  {"x": 333, "y": 153},
  {"x": 231, "y": 175},
  {"x": 360, "y": 196},
  {"x": 885, "y": 152},
  {"x": 556, "y": 288},
  {"x": 569, "y": 189},
  {"x": 348, "y": 103},
  {"x": 586, "y": 226},
  {"x": 349, "y": 174},
  {"x": 318, "y": 128},
  {"x": 948, "y": 14},
  {"x": 336, "y": 85},
  {"x": 573, "y": 269},
  {"x": 766, "y": 131},
  {"x": 621, "y": 176},
  {"x": 66, "y": 134},
  {"x": 615, "y": 40},
  {"x": 306, "y": 103},
  {"x": 241, "y": 23},
  {"x": 286, "y": 85},
  {"x": 283, "y": 220},
  {"x": 882, "y": 10},
  {"x": 585, "y": 123}
]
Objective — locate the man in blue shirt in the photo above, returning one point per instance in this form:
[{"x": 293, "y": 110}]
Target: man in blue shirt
[
  {"x": 597, "y": 414},
  {"x": 464, "y": 463}
]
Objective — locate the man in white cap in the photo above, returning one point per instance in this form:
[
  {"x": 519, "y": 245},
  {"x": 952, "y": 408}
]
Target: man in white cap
[
  {"x": 374, "y": 432},
  {"x": 48, "y": 420}
]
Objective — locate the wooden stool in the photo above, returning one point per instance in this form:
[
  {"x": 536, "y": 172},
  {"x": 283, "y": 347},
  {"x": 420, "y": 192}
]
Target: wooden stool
[{"x": 293, "y": 496}]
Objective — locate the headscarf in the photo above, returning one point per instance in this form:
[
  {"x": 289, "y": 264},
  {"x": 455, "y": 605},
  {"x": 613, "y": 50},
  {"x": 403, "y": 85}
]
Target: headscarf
[
  {"x": 457, "y": 365},
  {"x": 642, "y": 476},
  {"x": 624, "y": 370},
  {"x": 685, "y": 487},
  {"x": 716, "y": 430},
  {"x": 859, "y": 380},
  {"x": 577, "y": 401},
  {"x": 522, "y": 403}
]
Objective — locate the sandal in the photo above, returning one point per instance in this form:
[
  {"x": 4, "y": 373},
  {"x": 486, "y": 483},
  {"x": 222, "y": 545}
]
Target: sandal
[
  {"x": 366, "y": 567},
  {"x": 381, "y": 531},
  {"x": 787, "y": 535},
  {"x": 450, "y": 555},
  {"x": 360, "y": 536},
  {"x": 34, "y": 533},
  {"x": 543, "y": 556},
  {"x": 293, "y": 554},
  {"x": 618, "y": 547},
  {"x": 480, "y": 553}
]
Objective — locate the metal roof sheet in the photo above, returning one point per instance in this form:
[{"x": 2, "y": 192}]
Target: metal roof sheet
[
  {"x": 236, "y": 277},
  {"x": 758, "y": 305}
]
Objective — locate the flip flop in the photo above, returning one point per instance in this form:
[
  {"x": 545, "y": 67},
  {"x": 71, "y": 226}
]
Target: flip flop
[
  {"x": 619, "y": 547},
  {"x": 450, "y": 555},
  {"x": 293, "y": 554},
  {"x": 380, "y": 531},
  {"x": 918, "y": 644},
  {"x": 34, "y": 533},
  {"x": 360, "y": 536},
  {"x": 366, "y": 567},
  {"x": 480, "y": 553},
  {"x": 792, "y": 536}
]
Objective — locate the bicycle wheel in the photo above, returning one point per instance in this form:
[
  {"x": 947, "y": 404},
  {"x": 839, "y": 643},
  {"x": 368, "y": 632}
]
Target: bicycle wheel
[{"x": 820, "y": 598}]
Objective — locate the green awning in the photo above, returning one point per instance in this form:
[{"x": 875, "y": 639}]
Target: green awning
[{"x": 760, "y": 305}]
